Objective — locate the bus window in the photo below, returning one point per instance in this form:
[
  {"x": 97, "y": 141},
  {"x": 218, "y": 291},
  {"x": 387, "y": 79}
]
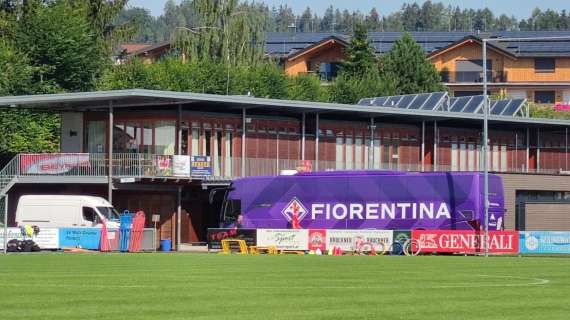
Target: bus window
[{"x": 232, "y": 210}]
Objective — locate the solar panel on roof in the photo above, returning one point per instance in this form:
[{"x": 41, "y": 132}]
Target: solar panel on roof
[
  {"x": 513, "y": 108},
  {"x": 419, "y": 101},
  {"x": 474, "y": 105},
  {"x": 433, "y": 101},
  {"x": 365, "y": 102},
  {"x": 406, "y": 100},
  {"x": 379, "y": 101},
  {"x": 499, "y": 106},
  {"x": 459, "y": 104},
  {"x": 392, "y": 101}
]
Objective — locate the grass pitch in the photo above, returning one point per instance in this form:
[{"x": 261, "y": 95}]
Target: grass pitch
[{"x": 200, "y": 286}]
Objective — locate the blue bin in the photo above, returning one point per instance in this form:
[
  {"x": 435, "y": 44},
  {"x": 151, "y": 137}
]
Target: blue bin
[{"x": 166, "y": 244}]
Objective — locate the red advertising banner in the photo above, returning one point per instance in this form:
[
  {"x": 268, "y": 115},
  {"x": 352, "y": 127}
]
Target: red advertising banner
[
  {"x": 466, "y": 241},
  {"x": 56, "y": 163},
  {"x": 317, "y": 239}
]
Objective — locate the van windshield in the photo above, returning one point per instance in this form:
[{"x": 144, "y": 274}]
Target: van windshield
[{"x": 109, "y": 213}]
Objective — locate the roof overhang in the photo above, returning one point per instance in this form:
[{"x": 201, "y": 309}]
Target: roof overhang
[
  {"x": 140, "y": 98},
  {"x": 318, "y": 46},
  {"x": 470, "y": 40}
]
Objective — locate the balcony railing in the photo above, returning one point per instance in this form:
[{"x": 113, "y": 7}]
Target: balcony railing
[
  {"x": 168, "y": 166},
  {"x": 473, "y": 76}
]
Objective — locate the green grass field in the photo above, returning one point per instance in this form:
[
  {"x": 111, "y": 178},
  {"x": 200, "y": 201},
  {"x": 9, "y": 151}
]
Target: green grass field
[{"x": 201, "y": 286}]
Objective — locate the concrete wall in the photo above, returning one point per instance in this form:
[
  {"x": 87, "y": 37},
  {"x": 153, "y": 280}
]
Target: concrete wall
[
  {"x": 514, "y": 182},
  {"x": 71, "y": 132},
  {"x": 547, "y": 216}
]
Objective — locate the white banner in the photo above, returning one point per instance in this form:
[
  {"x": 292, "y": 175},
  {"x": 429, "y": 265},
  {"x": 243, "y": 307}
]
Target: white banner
[
  {"x": 347, "y": 239},
  {"x": 181, "y": 166},
  {"x": 48, "y": 238},
  {"x": 283, "y": 239}
]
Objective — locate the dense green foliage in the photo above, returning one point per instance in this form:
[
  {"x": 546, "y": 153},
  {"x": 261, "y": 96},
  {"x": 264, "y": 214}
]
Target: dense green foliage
[
  {"x": 60, "y": 38},
  {"x": 47, "y": 47},
  {"x": 213, "y": 286},
  {"x": 547, "y": 111},
  {"x": 263, "y": 80},
  {"x": 406, "y": 65}
]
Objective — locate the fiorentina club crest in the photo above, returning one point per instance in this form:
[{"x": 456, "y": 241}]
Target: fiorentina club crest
[{"x": 294, "y": 206}]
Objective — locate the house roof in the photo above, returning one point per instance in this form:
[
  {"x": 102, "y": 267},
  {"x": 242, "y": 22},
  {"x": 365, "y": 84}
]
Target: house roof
[
  {"x": 149, "y": 48},
  {"x": 139, "y": 98},
  {"x": 318, "y": 45},
  {"x": 285, "y": 44},
  {"x": 497, "y": 47},
  {"x": 132, "y": 47}
]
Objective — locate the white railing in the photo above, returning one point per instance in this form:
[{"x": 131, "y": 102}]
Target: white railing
[{"x": 150, "y": 165}]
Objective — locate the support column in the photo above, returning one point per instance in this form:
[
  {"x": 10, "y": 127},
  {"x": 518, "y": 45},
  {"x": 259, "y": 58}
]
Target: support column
[
  {"x": 178, "y": 217},
  {"x": 243, "y": 129},
  {"x": 5, "y": 223},
  {"x": 277, "y": 153},
  {"x": 303, "y": 137},
  {"x": 566, "y": 151},
  {"x": 371, "y": 148},
  {"x": 435, "y": 142},
  {"x": 110, "y": 153},
  {"x": 516, "y": 152},
  {"x": 537, "y": 150},
  {"x": 179, "y": 126},
  {"x": 423, "y": 145},
  {"x": 527, "y": 149},
  {"x": 317, "y": 142}
]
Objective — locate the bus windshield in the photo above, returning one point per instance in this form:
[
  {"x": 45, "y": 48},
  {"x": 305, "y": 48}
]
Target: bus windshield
[{"x": 109, "y": 213}]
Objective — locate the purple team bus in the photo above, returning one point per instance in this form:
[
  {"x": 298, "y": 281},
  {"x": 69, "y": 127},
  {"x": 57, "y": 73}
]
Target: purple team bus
[{"x": 365, "y": 200}]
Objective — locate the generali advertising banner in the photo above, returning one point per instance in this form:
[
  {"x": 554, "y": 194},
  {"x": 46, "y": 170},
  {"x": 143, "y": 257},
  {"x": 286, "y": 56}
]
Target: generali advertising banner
[
  {"x": 52, "y": 163},
  {"x": 506, "y": 242},
  {"x": 347, "y": 240},
  {"x": 283, "y": 239}
]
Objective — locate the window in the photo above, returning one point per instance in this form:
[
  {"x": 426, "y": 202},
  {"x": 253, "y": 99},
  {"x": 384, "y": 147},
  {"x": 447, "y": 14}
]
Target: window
[
  {"x": 165, "y": 137},
  {"x": 96, "y": 136},
  {"x": 544, "y": 96},
  {"x": 544, "y": 65},
  {"x": 89, "y": 214}
]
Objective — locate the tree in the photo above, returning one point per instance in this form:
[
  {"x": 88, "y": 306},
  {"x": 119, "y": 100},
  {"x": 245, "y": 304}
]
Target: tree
[
  {"x": 360, "y": 58},
  {"x": 407, "y": 66},
  {"x": 223, "y": 31},
  {"x": 373, "y": 20},
  {"x": 60, "y": 39},
  {"x": 306, "y": 87}
]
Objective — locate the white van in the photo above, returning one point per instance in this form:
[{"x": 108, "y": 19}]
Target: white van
[{"x": 69, "y": 211}]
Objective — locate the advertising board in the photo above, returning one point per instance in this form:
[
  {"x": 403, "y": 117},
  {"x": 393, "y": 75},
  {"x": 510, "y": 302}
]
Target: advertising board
[
  {"x": 347, "y": 239},
  {"x": 463, "y": 241},
  {"x": 216, "y": 235},
  {"x": 46, "y": 239},
  {"x": 544, "y": 242},
  {"x": 283, "y": 239},
  {"x": 201, "y": 166},
  {"x": 317, "y": 239},
  {"x": 181, "y": 166},
  {"x": 45, "y": 163}
]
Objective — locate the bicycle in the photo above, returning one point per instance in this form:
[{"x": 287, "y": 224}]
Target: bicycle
[{"x": 405, "y": 246}]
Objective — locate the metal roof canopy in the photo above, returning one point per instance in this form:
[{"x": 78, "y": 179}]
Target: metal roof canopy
[{"x": 139, "y": 98}]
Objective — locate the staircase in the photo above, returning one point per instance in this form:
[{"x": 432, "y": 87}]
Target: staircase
[{"x": 8, "y": 175}]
